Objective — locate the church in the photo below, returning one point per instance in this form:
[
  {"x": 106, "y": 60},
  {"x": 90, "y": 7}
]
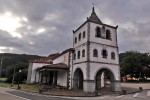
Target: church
[{"x": 92, "y": 63}]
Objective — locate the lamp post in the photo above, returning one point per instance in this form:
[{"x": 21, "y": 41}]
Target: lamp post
[{"x": 19, "y": 79}]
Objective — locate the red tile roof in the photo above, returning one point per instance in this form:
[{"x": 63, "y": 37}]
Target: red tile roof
[
  {"x": 48, "y": 59},
  {"x": 55, "y": 66}
]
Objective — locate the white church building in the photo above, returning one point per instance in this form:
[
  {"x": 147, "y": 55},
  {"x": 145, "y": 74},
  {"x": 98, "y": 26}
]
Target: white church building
[{"x": 91, "y": 64}]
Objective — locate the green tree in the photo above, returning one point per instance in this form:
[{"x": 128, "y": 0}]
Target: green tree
[
  {"x": 18, "y": 76},
  {"x": 134, "y": 63}
]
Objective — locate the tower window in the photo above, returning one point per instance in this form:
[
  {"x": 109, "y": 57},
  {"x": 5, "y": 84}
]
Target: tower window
[
  {"x": 79, "y": 36},
  {"x": 104, "y": 53},
  {"x": 75, "y": 40},
  {"x": 98, "y": 32},
  {"x": 83, "y": 53},
  {"x": 83, "y": 34},
  {"x": 95, "y": 53},
  {"x": 108, "y": 34},
  {"x": 74, "y": 56},
  {"x": 78, "y": 54},
  {"x": 112, "y": 55}
]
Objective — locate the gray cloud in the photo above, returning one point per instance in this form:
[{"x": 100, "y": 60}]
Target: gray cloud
[{"x": 60, "y": 17}]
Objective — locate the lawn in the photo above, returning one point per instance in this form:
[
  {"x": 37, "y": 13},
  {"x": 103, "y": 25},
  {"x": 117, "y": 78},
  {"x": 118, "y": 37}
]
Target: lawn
[
  {"x": 3, "y": 84},
  {"x": 26, "y": 87}
]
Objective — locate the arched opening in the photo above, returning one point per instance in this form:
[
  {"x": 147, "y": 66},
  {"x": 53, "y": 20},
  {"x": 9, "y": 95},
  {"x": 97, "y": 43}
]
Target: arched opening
[
  {"x": 104, "y": 79},
  {"x": 108, "y": 34},
  {"x": 112, "y": 55},
  {"x": 104, "y": 53},
  {"x": 78, "y": 79},
  {"x": 95, "y": 53},
  {"x": 98, "y": 32},
  {"x": 83, "y": 53}
]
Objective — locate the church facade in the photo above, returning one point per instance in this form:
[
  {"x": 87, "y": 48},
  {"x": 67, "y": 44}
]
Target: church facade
[{"x": 92, "y": 63}]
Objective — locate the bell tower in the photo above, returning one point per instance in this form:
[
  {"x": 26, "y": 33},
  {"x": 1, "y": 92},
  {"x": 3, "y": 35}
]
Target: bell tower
[{"x": 96, "y": 55}]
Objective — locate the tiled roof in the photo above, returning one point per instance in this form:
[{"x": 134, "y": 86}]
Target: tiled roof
[
  {"x": 65, "y": 51},
  {"x": 48, "y": 59},
  {"x": 55, "y": 66}
]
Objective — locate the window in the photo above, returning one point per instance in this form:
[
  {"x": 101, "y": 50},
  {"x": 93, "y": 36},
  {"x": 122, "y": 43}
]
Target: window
[
  {"x": 108, "y": 34},
  {"x": 112, "y": 55},
  {"x": 104, "y": 53},
  {"x": 74, "y": 56},
  {"x": 83, "y": 53},
  {"x": 98, "y": 32},
  {"x": 103, "y": 29},
  {"x": 79, "y": 36},
  {"x": 75, "y": 40},
  {"x": 78, "y": 54},
  {"x": 83, "y": 34},
  {"x": 95, "y": 53}
]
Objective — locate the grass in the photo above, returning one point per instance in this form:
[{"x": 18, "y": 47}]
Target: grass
[
  {"x": 27, "y": 87},
  {"x": 30, "y": 87},
  {"x": 3, "y": 84}
]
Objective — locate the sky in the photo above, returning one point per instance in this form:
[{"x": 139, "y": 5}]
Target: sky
[{"x": 42, "y": 27}]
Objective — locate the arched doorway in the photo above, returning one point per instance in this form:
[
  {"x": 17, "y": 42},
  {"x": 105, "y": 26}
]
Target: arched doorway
[
  {"x": 78, "y": 79},
  {"x": 104, "y": 79}
]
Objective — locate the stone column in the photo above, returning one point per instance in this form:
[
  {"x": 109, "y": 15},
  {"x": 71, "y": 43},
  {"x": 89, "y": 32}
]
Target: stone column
[
  {"x": 116, "y": 86},
  {"x": 89, "y": 86}
]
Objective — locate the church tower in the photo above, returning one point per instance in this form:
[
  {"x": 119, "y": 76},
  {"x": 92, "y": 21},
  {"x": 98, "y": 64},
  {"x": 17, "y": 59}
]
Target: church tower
[{"x": 96, "y": 56}]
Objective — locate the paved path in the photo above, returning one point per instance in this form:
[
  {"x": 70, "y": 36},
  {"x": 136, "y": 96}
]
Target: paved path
[
  {"x": 8, "y": 94},
  {"x": 144, "y": 95}
]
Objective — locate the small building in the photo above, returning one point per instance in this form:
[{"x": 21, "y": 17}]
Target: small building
[{"x": 91, "y": 64}]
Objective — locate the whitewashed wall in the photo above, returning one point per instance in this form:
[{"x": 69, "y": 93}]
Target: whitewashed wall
[
  {"x": 109, "y": 49},
  {"x": 62, "y": 78},
  {"x": 34, "y": 67},
  {"x": 80, "y": 48},
  {"x": 62, "y": 59},
  {"x": 112, "y": 42},
  {"x": 81, "y": 30}
]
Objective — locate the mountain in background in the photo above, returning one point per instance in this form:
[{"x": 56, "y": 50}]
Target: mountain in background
[{"x": 9, "y": 59}]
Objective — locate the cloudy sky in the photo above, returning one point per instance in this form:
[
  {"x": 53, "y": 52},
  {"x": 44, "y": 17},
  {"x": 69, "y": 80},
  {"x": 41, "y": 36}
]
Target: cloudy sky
[{"x": 45, "y": 26}]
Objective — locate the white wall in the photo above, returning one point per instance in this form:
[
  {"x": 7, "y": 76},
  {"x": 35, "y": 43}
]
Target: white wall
[
  {"x": 84, "y": 28},
  {"x": 62, "y": 78},
  {"x": 112, "y": 42},
  {"x": 80, "y": 48},
  {"x": 62, "y": 59},
  {"x": 109, "y": 49},
  {"x": 34, "y": 67}
]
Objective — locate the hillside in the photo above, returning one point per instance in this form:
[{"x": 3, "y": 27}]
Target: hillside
[{"x": 9, "y": 59}]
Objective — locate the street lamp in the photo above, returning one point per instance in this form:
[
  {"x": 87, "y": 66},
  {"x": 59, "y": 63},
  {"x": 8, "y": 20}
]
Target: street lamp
[{"x": 19, "y": 78}]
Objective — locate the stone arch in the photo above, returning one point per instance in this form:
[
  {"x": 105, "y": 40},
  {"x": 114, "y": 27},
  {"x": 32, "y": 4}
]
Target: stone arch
[
  {"x": 78, "y": 79},
  {"x": 104, "y": 78}
]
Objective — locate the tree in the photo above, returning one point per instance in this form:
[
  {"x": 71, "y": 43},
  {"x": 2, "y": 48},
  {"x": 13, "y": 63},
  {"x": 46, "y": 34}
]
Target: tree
[
  {"x": 18, "y": 76},
  {"x": 134, "y": 63}
]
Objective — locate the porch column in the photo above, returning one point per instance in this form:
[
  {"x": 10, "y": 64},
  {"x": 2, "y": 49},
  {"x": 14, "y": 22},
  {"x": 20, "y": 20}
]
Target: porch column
[
  {"x": 55, "y": 77},
  {"x": 35, "y": 77}
]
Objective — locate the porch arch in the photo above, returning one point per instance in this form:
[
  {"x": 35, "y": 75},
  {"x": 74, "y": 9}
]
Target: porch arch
[
  {"x": 104, "y": 78},
  {"x": 78, "y": 79}
]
